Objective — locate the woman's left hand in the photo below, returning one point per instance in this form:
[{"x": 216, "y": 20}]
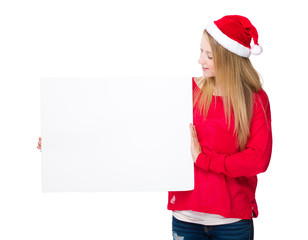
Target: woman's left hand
[{"x": 195, "y": 145}]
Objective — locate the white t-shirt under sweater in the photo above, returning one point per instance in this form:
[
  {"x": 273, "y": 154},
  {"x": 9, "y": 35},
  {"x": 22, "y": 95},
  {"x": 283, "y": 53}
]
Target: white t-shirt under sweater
[{"x": 202, "y": 218}]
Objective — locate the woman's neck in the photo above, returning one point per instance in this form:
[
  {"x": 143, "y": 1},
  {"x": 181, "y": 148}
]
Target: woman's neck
[{"x": 216, "y": 92}]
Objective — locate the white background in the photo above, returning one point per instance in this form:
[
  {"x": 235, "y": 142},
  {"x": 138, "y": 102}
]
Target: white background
[{"x": 96, "y": 38}]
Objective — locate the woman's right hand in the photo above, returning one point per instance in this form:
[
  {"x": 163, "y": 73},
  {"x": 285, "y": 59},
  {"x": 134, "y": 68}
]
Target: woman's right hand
[{"x": 39, "y": 144}]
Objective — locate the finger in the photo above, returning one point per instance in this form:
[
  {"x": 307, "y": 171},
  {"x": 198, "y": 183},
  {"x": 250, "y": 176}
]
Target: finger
[
  {"x": 193, "y": 136},
  {"x": 40, "y": 138},
  {"x": 196, "y": 137},
  {"x": 193, "y": 131}
]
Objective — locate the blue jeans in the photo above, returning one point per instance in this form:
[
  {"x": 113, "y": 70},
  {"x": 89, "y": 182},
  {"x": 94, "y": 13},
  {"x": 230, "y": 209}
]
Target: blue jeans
[{"x": 242, "y": 230}]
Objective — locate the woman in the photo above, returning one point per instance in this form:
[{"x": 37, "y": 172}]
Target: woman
[{"x": 231, "y": 137}]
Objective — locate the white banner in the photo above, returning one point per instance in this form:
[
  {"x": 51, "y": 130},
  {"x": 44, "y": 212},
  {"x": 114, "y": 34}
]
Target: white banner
[{"x": 116, "y": 134}]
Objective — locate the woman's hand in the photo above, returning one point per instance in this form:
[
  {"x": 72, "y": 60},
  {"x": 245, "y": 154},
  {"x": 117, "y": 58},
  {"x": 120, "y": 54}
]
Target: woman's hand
[
  {"x": 39, "y": 143},
  {"x": 195, "y": 146}
]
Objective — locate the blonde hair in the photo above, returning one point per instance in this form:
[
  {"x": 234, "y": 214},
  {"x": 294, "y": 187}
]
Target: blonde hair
[{"x": 237, "y": 80}]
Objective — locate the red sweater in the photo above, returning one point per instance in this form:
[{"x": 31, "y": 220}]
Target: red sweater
[{"x": 226, "y": 178}]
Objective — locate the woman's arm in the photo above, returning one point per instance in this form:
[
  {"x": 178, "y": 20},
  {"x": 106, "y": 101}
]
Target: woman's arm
[{"x": 252, "y": 160}]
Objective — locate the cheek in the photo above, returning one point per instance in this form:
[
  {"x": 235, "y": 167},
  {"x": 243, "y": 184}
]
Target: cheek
[{"x": 212, "y": 67}]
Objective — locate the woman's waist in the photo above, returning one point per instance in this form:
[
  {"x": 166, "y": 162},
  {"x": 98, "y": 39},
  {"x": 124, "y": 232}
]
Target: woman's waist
[{"x": 223, "y": 185}]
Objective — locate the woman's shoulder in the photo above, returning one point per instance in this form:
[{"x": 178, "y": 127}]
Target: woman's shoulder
[
  {"x": 261, "y": 95},
  {"x": 261, "y": 102}
]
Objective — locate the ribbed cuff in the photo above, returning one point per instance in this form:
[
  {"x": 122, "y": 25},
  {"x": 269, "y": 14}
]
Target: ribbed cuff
[
  {"x": 217, "y": 163},
  {"x": 203, "y": 161}
]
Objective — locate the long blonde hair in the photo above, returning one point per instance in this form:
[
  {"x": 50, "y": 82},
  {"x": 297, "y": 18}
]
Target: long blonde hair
[{"x": 237, "y": 80}]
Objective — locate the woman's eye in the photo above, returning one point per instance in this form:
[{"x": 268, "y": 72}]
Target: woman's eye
[{"x": 210, "y": 57}]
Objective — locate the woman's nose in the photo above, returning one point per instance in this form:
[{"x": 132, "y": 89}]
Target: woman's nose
[{"x": 201, "y": 61}]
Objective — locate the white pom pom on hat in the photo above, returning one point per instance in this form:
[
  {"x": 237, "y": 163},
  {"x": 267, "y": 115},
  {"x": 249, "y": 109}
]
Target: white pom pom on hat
[
  {"x": 256, "y": 49},
  {"x": 235, "y": 33}
]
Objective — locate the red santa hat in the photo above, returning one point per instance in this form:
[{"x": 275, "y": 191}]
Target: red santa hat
[{"x": 235, "y": 33}]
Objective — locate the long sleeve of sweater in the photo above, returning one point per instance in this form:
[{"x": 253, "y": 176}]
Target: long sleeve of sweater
[{"x": 255, "y": 158}]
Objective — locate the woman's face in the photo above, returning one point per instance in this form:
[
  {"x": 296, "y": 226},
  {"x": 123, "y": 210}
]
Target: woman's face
[{"x": 206, "y": 58}]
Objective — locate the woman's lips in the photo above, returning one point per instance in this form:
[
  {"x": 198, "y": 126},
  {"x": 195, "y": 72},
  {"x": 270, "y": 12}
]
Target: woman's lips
[{"x": 204, "y": 69}]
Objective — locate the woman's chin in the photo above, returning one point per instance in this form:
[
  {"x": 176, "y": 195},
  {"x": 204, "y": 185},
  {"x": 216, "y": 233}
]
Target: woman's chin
[{"x": 207, "y": 75}]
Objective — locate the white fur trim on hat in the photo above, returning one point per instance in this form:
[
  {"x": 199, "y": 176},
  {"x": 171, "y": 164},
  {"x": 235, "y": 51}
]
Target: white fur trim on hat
[{"x": 227, "y": 42}]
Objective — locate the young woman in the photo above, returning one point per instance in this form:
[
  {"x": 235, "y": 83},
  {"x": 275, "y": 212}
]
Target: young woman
[{"x": 231, "y": 137}]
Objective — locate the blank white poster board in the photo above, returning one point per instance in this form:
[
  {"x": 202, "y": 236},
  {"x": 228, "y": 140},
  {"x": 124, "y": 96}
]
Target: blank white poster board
[{"x": 116, "y": 134}]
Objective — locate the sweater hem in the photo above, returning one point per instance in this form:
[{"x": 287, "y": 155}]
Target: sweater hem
[{"x": 241, "y": 215}]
